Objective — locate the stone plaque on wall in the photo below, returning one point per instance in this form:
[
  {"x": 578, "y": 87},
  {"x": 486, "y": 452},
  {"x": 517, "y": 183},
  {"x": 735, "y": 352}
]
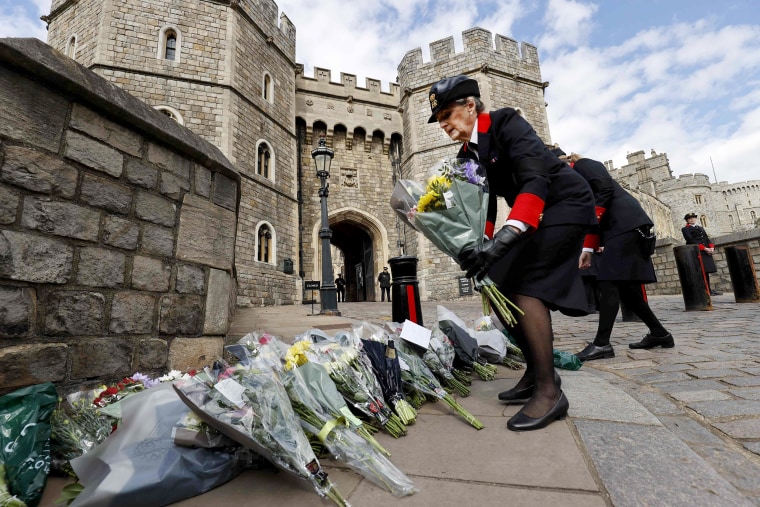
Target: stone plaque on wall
[{"x": 349, "y": 177}]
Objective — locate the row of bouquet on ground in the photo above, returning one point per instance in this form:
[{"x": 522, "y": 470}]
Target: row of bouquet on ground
[{"x": 281, "y": 404}]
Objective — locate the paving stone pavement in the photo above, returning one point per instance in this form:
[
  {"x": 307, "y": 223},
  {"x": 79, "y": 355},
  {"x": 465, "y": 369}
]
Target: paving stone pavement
[{"x": 664, "y": 427}]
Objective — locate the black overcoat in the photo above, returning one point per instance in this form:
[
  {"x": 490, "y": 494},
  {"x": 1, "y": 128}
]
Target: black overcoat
[
  {"x": 696, "y": 235},
  {"x": 547, "y": 195},
  {"x": 622, "y": 222}
]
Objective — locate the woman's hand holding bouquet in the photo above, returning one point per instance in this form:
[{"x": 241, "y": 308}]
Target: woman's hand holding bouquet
[{"x": 450, "y": 211}]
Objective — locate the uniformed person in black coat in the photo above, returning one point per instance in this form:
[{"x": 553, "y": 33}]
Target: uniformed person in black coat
[
  {"x": 533, "y": 258},
  {"x": 625, "y": 232},
  {"x": 695, "y": 234}
]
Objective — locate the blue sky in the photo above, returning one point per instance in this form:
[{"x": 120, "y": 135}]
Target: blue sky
[{"x": 674, "y": 76}]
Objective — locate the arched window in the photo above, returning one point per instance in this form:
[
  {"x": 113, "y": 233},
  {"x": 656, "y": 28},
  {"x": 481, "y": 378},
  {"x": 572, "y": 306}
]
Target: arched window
[
  {"x": 752, "y": 215},
  {"x": 71, "y": 47},
  {"x": 170, "y": 48},
  {"x": 267, "y": 88},
  {"x": 265, "y": 160},
  {"x": 171, "y": 113},
  {"x": 169, "y": 44},
  {"x": 265, "y": 244},
  {"x": 703, "y": 221}
]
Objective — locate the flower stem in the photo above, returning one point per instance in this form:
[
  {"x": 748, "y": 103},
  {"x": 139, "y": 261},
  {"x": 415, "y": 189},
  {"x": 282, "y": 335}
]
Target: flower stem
[{"x": 459, "y": 409}]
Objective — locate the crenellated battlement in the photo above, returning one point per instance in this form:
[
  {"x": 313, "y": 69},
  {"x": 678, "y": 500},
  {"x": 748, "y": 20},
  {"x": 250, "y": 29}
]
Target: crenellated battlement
[
  {"x": 321, "y": 82},
  {"x": 278, "y": 28},
  {"x": 481, "y": 50},
  {"x": 684, "y": 181}
]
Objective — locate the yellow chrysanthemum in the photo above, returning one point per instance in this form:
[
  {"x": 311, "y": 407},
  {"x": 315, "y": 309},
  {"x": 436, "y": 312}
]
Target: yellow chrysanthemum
[
  {"x": 427, "y": 202},
  {"x": 296, "y": 355},
  {"x": 438, "y": 184}
]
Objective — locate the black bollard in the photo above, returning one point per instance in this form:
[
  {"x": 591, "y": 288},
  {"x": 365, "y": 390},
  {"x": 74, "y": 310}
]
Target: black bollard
[
  {"x": 405, "y": 291},
  {"x": 742, "y": 271},
  {"x": 691, "y": 274}
]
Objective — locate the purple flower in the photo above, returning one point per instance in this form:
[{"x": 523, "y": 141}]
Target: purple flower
[{"x": 146, "y": 380}]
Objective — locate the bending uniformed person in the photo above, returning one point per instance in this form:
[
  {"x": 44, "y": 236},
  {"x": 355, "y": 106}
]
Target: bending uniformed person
[
  {"x": 624, "y": 231},
  {"x": 695, "y": 234},
  {"x": 533, "y": 258}
]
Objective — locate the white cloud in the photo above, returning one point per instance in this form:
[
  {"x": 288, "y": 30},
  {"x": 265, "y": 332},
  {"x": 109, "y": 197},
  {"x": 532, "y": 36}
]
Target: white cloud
[{"x": 21, "y": 19}]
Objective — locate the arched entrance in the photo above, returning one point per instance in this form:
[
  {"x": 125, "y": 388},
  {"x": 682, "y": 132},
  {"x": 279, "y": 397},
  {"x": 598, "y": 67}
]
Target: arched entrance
[{"x": 363, "y": 241}]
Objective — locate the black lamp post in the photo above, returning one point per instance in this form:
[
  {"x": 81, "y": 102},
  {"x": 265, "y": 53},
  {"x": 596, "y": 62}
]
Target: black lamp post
[{"x": 328, "y": 300}]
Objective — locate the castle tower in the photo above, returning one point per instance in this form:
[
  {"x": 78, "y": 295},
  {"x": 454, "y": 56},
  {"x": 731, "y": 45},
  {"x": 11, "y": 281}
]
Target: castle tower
[
  {"x": 363, "y": 127},
  {"x": 508, "y": 75},
  {"x": 226, "y": 70}
]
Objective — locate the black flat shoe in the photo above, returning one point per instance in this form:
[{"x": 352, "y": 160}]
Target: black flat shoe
[
  {"x": 650, "y": 342},
  {"x": 521, "y": 422},
  {"x": 592, "y": 352},
  {"x": 715, "y": 293},
  {"x": 518, "y": 396}
]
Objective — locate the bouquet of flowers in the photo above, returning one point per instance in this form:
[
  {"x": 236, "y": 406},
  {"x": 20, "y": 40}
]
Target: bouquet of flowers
[
  {"x": 388, "y": 373},
  {"x": 335, "y": 433},
  {"x": 450, "y": 211},
  {"x": 249, "y": 404},
  {"x": 415, "y": 373},
  {"x": 6, "y": 499},
  {"x": 356, "y": 382},
  {"x": 380, "y": 350},
  {"x": 440, "y": 361},
  {"x": 465, "y": 345},
  {"x": 75, "y": 430}
]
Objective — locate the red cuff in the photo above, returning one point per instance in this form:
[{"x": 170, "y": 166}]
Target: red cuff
[
  {"x": 489, "y": 229},
  {"x": 599, "y": 213},
  {"x": 711, "y": 245},
  {"x": 528, "y": 208},
  {"x": 592, "y": 241},
  {"x": 701, "y": 246}
]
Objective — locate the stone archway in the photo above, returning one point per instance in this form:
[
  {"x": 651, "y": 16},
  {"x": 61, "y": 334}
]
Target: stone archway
[{"x": 363, "y": 240}]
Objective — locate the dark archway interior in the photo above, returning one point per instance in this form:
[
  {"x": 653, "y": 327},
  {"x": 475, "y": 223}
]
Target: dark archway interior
[{"x": 359, "y": 270}]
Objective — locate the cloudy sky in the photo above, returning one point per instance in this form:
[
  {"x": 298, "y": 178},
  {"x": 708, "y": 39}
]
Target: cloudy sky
[{"x": 674, "y": 76}]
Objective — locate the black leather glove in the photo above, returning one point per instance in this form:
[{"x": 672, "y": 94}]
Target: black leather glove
[{"x": 477, "y": 261}]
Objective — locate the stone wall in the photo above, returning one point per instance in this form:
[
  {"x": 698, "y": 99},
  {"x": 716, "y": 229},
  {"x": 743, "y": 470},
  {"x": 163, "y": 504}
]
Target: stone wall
[
  {"x": 117, "y": 229},
  {"x": 224, "y": 52}
]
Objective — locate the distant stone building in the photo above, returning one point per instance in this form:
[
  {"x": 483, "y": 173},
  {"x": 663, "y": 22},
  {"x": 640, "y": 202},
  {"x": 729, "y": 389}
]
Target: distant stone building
[
  {"x": 226, "y": 70},
  {"x": 723, "y": 208}
]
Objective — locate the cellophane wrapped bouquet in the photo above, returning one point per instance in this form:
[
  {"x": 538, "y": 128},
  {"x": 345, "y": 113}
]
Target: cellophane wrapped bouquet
[
  {"x": 248, "y": 402},
  {"x": 450, "y": 210}
]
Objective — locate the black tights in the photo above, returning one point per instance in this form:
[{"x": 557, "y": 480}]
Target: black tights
[
  {"x": 533, "y": 334},
  {"x": 632, "y": 296}
]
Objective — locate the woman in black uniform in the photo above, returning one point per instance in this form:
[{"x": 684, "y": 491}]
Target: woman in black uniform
[
  {"x": 694, "y": 234},
  {"x": 533, "y": 258},
  {"x": 624, "y": 231}
]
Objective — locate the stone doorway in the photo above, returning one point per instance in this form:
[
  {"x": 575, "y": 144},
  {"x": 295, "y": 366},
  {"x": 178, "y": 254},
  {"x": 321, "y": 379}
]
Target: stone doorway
[{"x": 362, "y": 240}]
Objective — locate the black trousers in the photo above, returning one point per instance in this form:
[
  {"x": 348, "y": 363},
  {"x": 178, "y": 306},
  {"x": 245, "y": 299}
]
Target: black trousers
[{"x": 384, "y": 291}]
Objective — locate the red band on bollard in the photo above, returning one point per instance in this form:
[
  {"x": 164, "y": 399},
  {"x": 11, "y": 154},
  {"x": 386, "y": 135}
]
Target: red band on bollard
[{"x": 410, "y": 303}]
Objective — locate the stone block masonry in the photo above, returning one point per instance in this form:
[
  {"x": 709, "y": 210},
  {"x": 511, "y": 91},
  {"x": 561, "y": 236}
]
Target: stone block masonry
[{"x": 117, "y": 230}]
